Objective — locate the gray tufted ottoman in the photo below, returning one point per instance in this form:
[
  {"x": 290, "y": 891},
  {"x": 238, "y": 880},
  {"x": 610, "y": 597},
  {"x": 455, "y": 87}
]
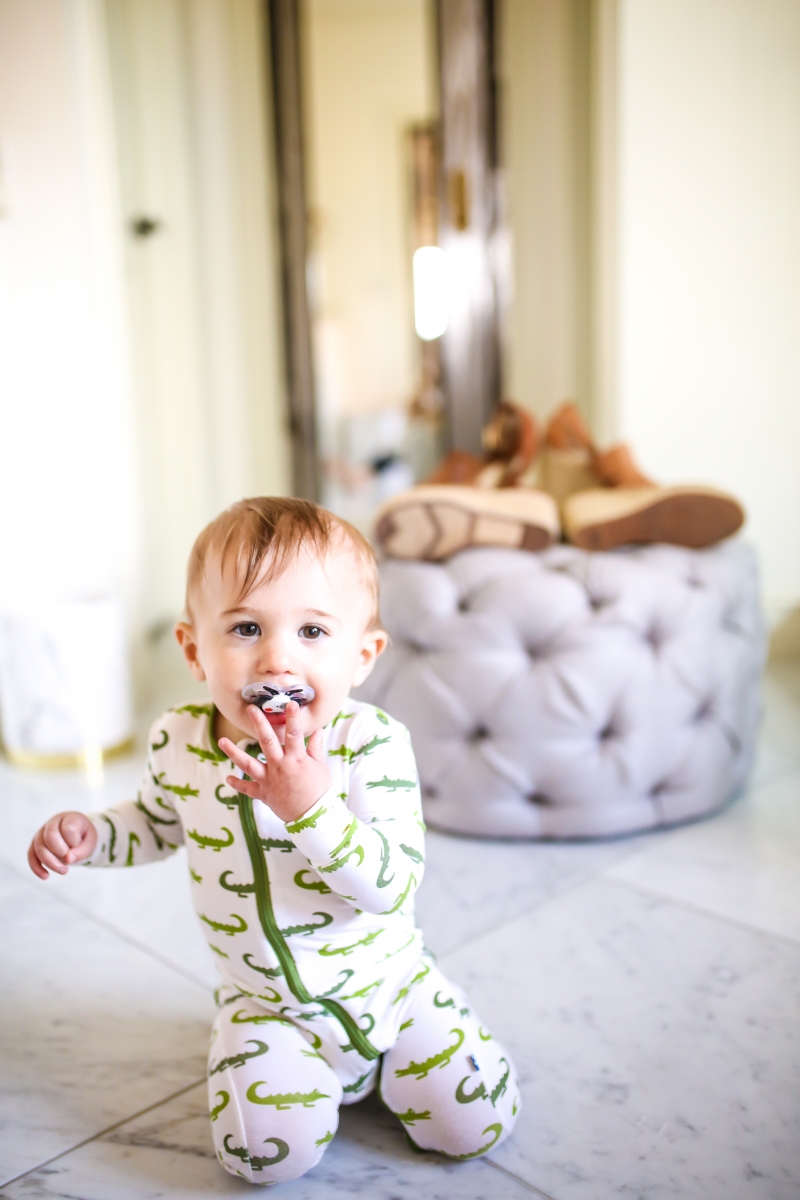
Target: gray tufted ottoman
[{"x": 567, "y": 694}]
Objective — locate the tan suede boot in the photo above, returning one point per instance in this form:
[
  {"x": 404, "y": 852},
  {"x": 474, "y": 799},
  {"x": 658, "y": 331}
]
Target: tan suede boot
[
  {"x": 627, "y": 507},
  {"x": 469, "y": 501},
  {"x": 511, "y": 442},
  {"x": 616, "y": 468},
  {"x": 604, "y": 518},
  {"x": 434, "y": 521},
  {"x": 459, "y": 466},
  {"x": 567, "y": 455}
]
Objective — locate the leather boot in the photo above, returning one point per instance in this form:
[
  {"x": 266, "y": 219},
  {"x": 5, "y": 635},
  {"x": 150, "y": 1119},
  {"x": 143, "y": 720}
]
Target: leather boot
[
  {"x": 607, "y": 502},
  {"x": 510, "y": 442},
  {"x": 567, "y": 455},
  {"x": 472, "y": 501},
  {"x": 434, "y": 521}
]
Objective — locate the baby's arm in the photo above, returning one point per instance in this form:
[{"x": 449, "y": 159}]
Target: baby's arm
[
  {"x": 133, "y": 832},
  {"x": 369, "y": 847}
]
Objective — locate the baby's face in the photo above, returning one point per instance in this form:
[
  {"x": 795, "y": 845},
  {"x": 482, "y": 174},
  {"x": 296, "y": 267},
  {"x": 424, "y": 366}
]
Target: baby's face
[{"x": 307, "y": 626}]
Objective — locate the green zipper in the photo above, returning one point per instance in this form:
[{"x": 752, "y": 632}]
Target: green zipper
[{"x": 266, "y": 916}]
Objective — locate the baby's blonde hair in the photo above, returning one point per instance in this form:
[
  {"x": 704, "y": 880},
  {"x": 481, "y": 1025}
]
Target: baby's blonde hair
[{"x": 276, "y": 526}]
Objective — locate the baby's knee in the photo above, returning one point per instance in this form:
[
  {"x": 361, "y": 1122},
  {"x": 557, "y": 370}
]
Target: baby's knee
[
  {"x": 264, "y": 1151},
  {"x": 456, "y": 1109},
  {"x": 459, "y": 1133}
]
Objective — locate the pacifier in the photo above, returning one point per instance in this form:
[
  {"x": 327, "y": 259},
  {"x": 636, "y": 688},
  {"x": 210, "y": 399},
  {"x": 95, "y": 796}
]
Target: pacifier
[{"x": 272, "y": 699}]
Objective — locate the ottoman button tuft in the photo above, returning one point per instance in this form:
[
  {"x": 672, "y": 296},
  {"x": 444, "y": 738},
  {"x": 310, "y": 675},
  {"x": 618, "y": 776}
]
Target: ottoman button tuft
[
  {"x": 624, "y": 683},
  {"x": 655, "y": 639}
]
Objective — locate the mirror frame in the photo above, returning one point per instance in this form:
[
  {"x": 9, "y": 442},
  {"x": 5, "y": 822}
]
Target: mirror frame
[{"x": 469, "y": 203}]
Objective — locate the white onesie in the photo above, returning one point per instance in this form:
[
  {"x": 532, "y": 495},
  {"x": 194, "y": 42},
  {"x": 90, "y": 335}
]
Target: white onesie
[{"x": 312, "y": 924}]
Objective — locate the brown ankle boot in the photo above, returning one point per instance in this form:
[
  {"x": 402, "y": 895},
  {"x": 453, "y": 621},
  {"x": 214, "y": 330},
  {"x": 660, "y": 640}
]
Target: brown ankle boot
[
  {"x": 568, "y": 455},
  {"x": 604, "y": 518},
  {"x": 630, "y": 508},
  {"x": 566, "y": 430},
  {"x": 434, "y": 521},
  {"x": 606, "y": 501},
  {"x": 459, "y": 466},
  {"x": 616, "y": 468},
  {"x": 511, "y": 442}
]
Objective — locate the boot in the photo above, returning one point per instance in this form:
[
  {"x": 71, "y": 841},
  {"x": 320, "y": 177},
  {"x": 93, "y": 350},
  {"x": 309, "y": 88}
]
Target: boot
[
  {"x": 606, "y": 501},
  {"x": 459, "y": 466},
  {"x": 472, "y": 501},
  {"x": 567, "y": 455},
  {"x": 604, "y": 518},
  {"x": 434, "y": 521},
  {"x": 511, "y": 443}
]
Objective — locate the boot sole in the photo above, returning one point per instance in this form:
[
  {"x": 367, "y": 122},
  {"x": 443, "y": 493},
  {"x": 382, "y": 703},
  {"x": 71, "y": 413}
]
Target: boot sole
[
  {"x": 689, "y": 517},
  {"x": 432, "y": 526}
]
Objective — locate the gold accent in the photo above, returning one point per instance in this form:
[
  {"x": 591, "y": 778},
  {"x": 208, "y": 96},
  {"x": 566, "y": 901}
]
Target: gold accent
[
  {"x": 89, "y": 759},
  {"x": 458, "y": 199}
]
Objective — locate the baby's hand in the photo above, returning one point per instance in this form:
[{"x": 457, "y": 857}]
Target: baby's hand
[
  {"x": 66, "y": 839},
  {"x": 293, "y": 777}
]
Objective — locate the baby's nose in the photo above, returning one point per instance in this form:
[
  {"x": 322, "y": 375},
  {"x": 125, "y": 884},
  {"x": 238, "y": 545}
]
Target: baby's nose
[{"x": 275, "y": 656}]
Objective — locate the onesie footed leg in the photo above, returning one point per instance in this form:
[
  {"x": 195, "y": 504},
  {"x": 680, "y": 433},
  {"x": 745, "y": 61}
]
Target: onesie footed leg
[
  {"x": 273, "y": 1100},
  {"x": 450, "y": 1083}
]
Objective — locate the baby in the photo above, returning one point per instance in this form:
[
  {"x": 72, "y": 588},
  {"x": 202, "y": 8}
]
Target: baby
[{"x": 305, "y": 846}]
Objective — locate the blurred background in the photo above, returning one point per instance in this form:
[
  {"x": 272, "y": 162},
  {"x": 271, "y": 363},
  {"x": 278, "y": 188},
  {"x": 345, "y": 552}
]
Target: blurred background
[{"x": 252, "y": 247}]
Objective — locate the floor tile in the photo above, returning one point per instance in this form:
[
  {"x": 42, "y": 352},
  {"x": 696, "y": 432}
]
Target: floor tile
[
  {"x": 472, "y": 886},
  {"x": 29, "y": 798},
  {"x": 150, "y": 906},
  {"x": 168, "y": 1152},
  {"x": 657, "y": 1042},
  {"x": 778, "y": 741},
  {"x": 657, "y": 1048},
  {"x": 92, "y": 1029},
  {"x": 742, "y": 865},
  {"x": 770, "y": 764}
]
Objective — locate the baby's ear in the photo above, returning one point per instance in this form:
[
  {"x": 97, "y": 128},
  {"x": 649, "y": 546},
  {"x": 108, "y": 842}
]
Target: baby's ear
[
  {"x": 186, "y": 640},
  {"x": 373, "y": 645}
]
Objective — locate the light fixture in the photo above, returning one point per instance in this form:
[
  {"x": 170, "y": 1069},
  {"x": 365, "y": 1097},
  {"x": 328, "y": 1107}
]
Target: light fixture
[{"x": 431, "y": 292}]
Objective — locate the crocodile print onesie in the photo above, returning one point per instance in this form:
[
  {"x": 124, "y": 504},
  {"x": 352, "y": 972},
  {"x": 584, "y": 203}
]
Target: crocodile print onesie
[{"x": 327, "y": 988}]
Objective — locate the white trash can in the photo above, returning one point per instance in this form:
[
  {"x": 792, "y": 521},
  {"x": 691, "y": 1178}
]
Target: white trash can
[{"x": 65, "y": 694}]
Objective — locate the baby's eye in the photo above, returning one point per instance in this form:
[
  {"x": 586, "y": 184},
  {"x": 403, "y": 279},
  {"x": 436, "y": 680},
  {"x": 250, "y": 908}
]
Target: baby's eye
[
  {"x": 247, "y": 629},
  {"x": 311, "y": 633}
]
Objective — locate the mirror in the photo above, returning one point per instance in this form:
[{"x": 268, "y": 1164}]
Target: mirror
[{"x": 369, "y": 99}]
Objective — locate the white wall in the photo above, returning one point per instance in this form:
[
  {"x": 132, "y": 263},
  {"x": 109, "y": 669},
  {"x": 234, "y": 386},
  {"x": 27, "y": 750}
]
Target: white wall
[
  {"x": 192, "y": 110},
  {"x": 67, "y": 492},
  {"x": 709, "y": 257},
  {"x": 545, "y": 87},
  {"x": 141, "y": 383}
]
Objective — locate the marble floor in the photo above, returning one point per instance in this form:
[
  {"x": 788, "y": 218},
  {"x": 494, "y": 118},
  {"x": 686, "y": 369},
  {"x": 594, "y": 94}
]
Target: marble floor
[{"x": 649, "y": 990}]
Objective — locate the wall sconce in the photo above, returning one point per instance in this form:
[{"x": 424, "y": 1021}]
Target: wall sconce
[{"x": 431, "y": 292}]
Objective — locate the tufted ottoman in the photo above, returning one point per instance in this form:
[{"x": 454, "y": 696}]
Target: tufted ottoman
[{"x": 568, "y": 694}]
